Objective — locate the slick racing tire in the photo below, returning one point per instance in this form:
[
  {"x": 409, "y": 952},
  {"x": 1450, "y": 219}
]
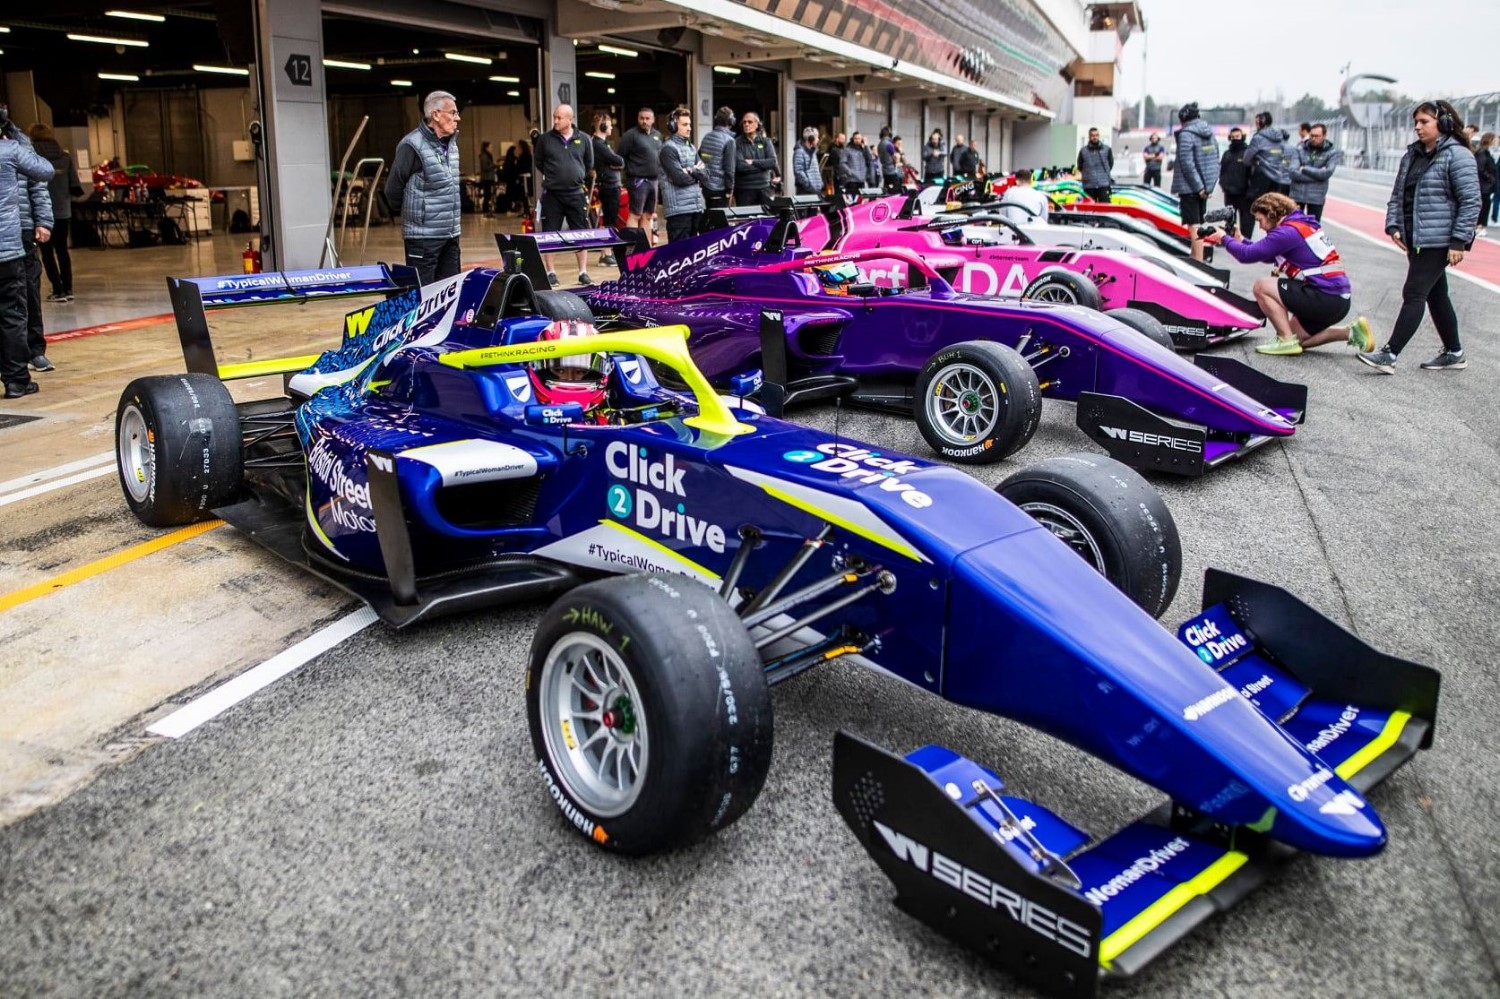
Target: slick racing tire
[
  {"x": 1146, "y": 324},
  {"x": 977, "y": 402},
  {"x": 1111, "y": 516},
  {"x": 649, "y": 712},
  {"x": 1064, "y": 288},
  {"x": 177, "y": 447},
  {"x": 563, "y": 305}
]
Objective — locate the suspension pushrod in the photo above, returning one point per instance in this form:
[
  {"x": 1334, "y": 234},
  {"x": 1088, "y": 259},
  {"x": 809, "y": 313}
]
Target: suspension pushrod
[
  {"x": 809, "y": 592},
  {"x": 798, "y": 560}
]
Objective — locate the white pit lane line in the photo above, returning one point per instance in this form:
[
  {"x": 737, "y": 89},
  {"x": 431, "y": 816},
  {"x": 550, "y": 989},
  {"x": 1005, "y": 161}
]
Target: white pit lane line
[
  {"x": 227, "y": 695},
  {"x": 61, "y": 476},
  {"x": 1387, "y": 244}
]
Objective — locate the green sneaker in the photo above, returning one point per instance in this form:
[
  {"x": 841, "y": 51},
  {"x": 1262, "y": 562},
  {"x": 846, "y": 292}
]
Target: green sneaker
[
  {"x": 1360, "y": 337},
  {"x": 1280, "y": 347}
]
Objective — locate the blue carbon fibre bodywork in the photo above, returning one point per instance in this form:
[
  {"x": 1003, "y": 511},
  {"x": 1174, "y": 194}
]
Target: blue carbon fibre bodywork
[{"x": 987, "y": 608}]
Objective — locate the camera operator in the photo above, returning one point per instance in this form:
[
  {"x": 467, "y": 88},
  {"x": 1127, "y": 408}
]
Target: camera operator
[
  {"x": 17, "y": 159},
  {"x": 1197, "y": 170},
  {"x": 1308, "y": 291}
]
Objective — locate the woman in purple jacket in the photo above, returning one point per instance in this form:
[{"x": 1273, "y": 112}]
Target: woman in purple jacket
[{"x": 1308, "y": 291}]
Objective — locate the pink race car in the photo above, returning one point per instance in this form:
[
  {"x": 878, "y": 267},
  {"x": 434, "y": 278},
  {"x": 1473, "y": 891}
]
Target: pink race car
[{"x": 988, "y": 255}]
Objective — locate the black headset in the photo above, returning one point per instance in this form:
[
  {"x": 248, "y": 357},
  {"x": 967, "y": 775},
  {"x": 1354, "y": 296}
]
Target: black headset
[
  {"x": 1445, "y": 123},
  {"x": 678, "y": 113}
]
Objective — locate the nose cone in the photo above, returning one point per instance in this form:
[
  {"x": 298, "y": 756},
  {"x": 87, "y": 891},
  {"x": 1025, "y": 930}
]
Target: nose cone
[{"x": 1322, "y": 814}]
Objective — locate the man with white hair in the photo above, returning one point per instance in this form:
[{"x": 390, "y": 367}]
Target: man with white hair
[{"x": 424, "y": 181}]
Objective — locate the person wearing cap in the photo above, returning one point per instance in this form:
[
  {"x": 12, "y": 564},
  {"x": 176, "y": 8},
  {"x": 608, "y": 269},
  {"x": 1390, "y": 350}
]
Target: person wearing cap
[{"x": 805, "y": 163}]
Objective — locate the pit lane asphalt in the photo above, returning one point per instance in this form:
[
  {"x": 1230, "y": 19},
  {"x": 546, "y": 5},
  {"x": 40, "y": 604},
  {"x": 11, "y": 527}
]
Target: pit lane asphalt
[{"x": 373, "y": 824}]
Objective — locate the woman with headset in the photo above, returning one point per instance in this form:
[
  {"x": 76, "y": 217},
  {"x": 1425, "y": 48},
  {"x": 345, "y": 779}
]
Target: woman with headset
[{"x": 1431, "y": 216}]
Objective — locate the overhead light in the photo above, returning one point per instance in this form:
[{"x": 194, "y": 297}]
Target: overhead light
[
  {"x": 341, "y": 64},
  {"x": 4, "y": 30},
  {"x": 122, "y": 77},
  {"x": 728, "y": 70},
  {"x": 512, "y": 93},
  {"x": 400, "y": 83},
  {"x": 505, "y": 79},
  {"x": 225, "y": 70},
  {"x": 135, "y": 15},
  {"x": 601, "y": 76},
  {"x": 465, "y": 57},
  {"x": 616, "y": 50},
  {"x": 139, "y": 43},
  {"x": 611, "y": 90}
]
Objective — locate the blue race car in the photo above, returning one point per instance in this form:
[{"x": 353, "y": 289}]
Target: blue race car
[{"x": 474, "y": 442}]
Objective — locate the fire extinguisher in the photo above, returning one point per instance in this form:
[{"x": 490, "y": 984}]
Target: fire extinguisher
[{"x": 251, "y": 259}]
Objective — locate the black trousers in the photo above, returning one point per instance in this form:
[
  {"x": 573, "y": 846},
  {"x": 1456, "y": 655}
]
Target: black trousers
[
  {"x": 609, "y": 207},
  {"x": 434, "y": 259},
  {"x": 36, "y": 341},
  {"x": 57, "y": 260},
  {"x": 752, "y": 196},
  {"x": 716, "y": 199},
  {"x": 1426, "y": 287},
  {"x": 1153, "y": 177},
  {"x": 683, "y": 226},
  {"x": 14, "y": 356},
  {"x": 1316, "y": 211},
  {"x": 1099, "y": 194}
]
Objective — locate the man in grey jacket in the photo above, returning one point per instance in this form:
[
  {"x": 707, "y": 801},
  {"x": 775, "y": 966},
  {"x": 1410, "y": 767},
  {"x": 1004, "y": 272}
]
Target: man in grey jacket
[
  {"x": 682, "y": 176},
  {"x": 1197, "y": 170},
  {"x": 1313, "y": 164},
  {"x": 17, "y": 159},
  {"x": 424, "y": 182},
  {"x": 805, "y": 169},
  {"x": 1096, "y": 164}
]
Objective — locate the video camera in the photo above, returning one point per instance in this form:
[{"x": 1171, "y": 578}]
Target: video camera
[{"x": 1227, "y": 216}]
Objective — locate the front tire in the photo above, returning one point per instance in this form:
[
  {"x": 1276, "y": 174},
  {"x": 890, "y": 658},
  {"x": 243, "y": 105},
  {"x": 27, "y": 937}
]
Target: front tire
[
  {"x": 563, "y": 305},
  {"x": 1111, "y": 516},
  {"x": 178, "y": 447},
  {"x": 649, "y": 712},
  {"x": 1061, "y": 287},
  {"x": 1146, "y": 324},
  {"x": 977, "y": 402}
]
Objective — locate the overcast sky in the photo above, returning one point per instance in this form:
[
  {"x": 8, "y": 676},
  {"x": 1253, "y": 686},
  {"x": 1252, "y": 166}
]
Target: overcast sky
[{"x": 1218, "y": 51}]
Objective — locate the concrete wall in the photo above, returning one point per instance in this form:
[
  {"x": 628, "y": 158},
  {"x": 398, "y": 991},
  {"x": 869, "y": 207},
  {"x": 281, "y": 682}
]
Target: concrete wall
[{"x": 224, "y": 116}]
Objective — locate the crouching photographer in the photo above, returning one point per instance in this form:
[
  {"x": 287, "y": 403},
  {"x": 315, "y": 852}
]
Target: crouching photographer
[{"x": 1308, "y": 291}]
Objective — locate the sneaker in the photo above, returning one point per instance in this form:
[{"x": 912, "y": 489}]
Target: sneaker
[
  {"x": 1481, "y": 231},
  {"x": 584, "y": 279},
  {"x": 1448, "y": 360},
  {"x": 57, "y": 296},
  {"x": 1280, "y": 347},
  {"x": 608, "y": 260},
  {"x": 40, "y": 363},
  {"x": 15, "y": 390},
  {"x": 1360, "y": 337},
  {"x": 552, "y": 278},
  {"x": 1382, "y": 361}
]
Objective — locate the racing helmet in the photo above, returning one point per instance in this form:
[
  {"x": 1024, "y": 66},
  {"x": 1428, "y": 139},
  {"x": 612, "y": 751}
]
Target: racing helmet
[
  {"x": 836, "y": 278},
  {"x": 580, "y": 378}
]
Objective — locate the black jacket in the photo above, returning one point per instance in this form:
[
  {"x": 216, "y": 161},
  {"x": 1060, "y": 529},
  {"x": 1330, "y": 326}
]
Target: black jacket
[
  {"x": 1234, "y": 176},
  {"x": 761, "y": 152},
  {"x": 607, "y": 164},
  {"x": 564, "y": 163},
  {"x": 641, "y": 152},
  {"x": 1488, "y": 173}
]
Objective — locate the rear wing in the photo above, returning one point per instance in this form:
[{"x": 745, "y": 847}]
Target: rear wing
[
  {"x": 194, "y": 297},
  {"x": 530, "y": 246}
]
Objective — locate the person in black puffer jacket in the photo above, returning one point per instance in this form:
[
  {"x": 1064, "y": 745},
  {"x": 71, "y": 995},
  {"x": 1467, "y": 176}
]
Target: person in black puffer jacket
[
  {"x": 1234, "y": 179},
  {"x": 754, "y": 163},
  {"x": 1432, "y": 214},
  {"x": 63, "y": 187}
]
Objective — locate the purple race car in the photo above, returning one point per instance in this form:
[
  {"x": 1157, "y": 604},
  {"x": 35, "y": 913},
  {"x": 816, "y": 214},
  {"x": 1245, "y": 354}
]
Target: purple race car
[
  {"x": 988, "y": 255},
  {"x": 971, "y": 369}
]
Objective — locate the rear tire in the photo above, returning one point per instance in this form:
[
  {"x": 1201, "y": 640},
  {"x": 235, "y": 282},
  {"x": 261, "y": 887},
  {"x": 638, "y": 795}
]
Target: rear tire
[
  {"x": 977, "y": 402},
  {"x": 178, "y": 447},
  {"x": 1146, "y": 324},
  {"x": 649, "y": 712},
  {"x": 563, "y": 305},
  {"x": 1064, "y": 288},
  {"x": 1110, "y": 516}
]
